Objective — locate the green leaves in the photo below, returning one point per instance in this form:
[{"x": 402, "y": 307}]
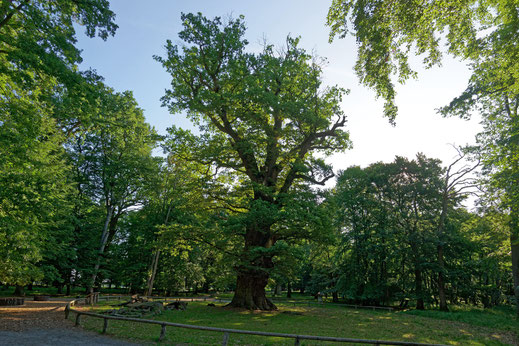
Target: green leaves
[
  {"x": 388, "y": 32},
  {"x": 270, "y": 107}
]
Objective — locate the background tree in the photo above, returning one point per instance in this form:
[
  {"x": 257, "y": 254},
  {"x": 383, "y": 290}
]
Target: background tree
[
  {"x": 37, "y": 62},
  {"x": 37, "y": 38},
  {"x": 265, "y": 117},
  {"x": 33, "y": 185},
  {"x": 389, "y": 215},
  {"x": 499, "y": 148},
  {"x": 115, "y": 157},
  {"x": 485, "y": 33},
  {"x": 388, "y": 32},
  {"x": 458, "y": 181},
  {"x": 178, "y": 200}
]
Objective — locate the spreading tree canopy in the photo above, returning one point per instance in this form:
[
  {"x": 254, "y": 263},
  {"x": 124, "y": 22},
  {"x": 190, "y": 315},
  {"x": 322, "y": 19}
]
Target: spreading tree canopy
[{"x": 266, "y": 120}]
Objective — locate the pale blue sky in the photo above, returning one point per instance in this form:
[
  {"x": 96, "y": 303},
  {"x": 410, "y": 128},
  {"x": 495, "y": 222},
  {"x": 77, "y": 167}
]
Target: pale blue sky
[{"x": 144, "y": 26}]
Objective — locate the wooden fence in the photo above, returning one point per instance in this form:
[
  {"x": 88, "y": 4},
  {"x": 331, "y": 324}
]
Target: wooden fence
[{"x": 94, "y": 298}]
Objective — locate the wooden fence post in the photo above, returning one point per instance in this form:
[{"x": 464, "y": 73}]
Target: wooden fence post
[
  {"x": 105, "y": 325},
  {"x": 225, "y": 339},
  {"x": 296, "y": 343},
  {"x": 78, "y": 319},
  {"x": 162, "y": 332}
]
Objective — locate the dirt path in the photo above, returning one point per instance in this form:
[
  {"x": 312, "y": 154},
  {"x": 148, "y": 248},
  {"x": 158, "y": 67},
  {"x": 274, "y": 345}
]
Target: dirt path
[{"x": 43, "y": 323}]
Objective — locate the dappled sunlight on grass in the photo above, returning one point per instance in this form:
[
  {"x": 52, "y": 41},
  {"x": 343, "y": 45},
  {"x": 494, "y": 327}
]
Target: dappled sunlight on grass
[
  {"x": 384, "y": 318},
  {"x": 259, "y": 319},
  {"x": 269, "y": 314},
  {"x": 311, "y": 320}
]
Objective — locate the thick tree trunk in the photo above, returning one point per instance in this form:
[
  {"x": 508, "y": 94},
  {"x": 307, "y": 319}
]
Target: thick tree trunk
[
  {"x": 253, "y": 272},
  {"x": 18, "y": 291},
  {"x": 335, "y": 297},
  {"x": 206, "y": 286},
  {"x": 253, "y": 276},
  {"x": 250, "y": 292}
]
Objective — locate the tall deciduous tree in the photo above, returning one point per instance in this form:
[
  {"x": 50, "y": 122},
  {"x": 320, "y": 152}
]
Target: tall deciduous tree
[
  {"x": 114, "y": 157},
  {"x": 499, "y": 148},
  {"x": 382, "y": 207},
  {"x": 178, "y": 198},
  {"x": 33, "y": 183},
  {"x": 457, "y": 179},
  {"x": 484, "y": 33},
  {"x": 37, "y": 60},
  {"x": 265, "y": 117}
]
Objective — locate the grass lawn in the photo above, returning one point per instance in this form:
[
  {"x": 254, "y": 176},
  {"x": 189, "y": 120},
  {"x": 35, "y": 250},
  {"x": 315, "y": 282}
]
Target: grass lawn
[{"x": 460, "y": 327}]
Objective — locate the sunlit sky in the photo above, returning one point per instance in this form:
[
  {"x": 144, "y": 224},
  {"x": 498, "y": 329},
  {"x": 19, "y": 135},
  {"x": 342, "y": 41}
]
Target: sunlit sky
[{"x": 126, "y": 62}]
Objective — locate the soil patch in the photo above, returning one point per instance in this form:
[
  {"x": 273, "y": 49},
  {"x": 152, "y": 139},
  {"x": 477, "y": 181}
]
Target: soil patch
[
  {"x": 35, "y": 314},
  {"x": 43, "y": 323}
]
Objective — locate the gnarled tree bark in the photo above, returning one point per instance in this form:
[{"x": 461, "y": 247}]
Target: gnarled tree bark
[{"x": 253, "y": 277}]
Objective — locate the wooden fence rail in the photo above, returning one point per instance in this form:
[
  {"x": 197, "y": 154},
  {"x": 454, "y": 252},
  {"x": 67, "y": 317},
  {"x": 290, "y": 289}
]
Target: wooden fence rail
[{"x": 226, "y": 331}]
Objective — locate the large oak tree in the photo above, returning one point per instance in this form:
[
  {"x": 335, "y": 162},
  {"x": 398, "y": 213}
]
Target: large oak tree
[{"x": 266, "y": 119}]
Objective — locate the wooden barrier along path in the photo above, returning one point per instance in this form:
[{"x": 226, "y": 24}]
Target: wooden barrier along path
[{"x": 94, "y": 298}]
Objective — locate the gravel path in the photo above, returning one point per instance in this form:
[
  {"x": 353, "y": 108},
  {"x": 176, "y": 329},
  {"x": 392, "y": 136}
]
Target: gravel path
[{"x": 43, "y": 323}]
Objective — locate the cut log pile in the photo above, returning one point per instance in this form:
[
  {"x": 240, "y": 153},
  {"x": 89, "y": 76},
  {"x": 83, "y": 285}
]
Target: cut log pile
[
  {"x": 10, "y": 301},
  {"x": 140, "y": 306}
]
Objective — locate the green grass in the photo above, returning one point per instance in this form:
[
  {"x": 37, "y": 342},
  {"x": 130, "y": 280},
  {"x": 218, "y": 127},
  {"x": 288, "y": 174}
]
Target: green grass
[
  {"x": 499, "y": 318},
  {"x": 467, "y": 327}
]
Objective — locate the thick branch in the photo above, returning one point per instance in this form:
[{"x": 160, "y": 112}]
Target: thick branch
[
  {"x": 13, "y": 12},
  {"x": 313, "y": 180},
  {"x": 305, "y": 146}
]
